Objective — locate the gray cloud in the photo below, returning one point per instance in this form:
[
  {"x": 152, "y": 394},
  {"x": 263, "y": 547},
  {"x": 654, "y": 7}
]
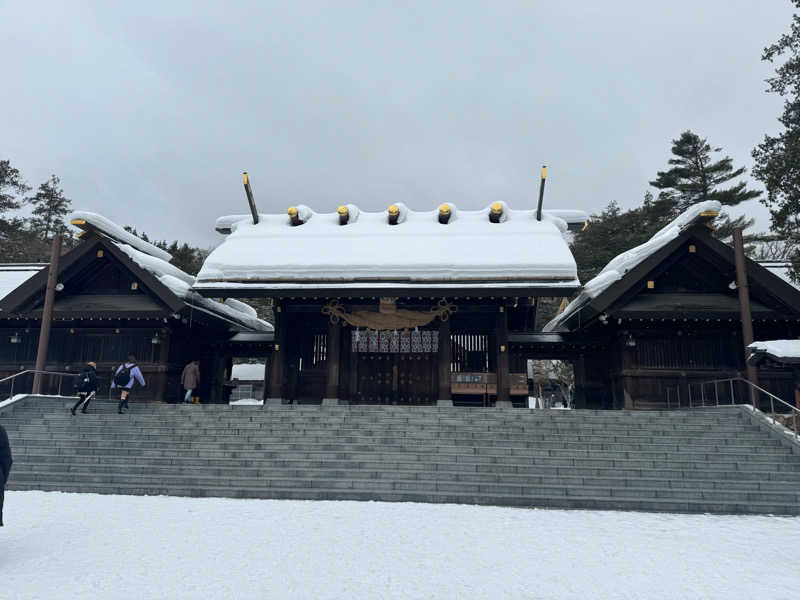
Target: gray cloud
[{"x": 149, "y": 111}]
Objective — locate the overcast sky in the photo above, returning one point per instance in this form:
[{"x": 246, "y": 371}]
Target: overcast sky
[{"x": 150, "y": 111}]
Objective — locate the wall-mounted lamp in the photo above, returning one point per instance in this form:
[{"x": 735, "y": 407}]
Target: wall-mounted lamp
[
  {"x": 155, "y": 339},
  {"x": 630, "y": 342},
  {"x": 59, "y": 287},
  {"x": 15, "y": 339}
]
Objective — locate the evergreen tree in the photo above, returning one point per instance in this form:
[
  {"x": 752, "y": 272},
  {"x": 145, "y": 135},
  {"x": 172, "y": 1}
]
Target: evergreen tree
[
  {"x": 694, "y": 176},
  {"x": 11, "y": 186},
  {"x": 614, "y": 231},
  {"x": 778, "y": 157},
  {"x": 50, "y": 208}
]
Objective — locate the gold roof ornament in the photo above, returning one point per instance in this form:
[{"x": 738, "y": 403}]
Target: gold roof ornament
[
  {"x": 294, "y": 215},
  {"x": 394, "y": 214},
  {"x": 495, "y": 212}
]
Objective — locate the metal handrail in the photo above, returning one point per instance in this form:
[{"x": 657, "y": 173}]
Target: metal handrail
[
  {"x": 12, "y": 378},
  {"x": 795, "y": 412}
]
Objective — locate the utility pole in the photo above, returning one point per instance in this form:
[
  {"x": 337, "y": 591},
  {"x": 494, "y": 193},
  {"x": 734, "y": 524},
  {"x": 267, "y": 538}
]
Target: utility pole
[
  {"x": 744, "y": 310},
  {"x": 47, "y": 314}
]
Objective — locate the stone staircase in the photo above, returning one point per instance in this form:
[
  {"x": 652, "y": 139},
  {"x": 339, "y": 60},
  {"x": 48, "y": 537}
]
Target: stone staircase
[{"x": 715, "y": 460}]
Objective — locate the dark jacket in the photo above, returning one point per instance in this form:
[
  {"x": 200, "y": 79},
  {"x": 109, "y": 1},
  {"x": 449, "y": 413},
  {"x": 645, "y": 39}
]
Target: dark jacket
[
  {"x": 5, "y": 456},
  {"x": 82, "y": 385}
]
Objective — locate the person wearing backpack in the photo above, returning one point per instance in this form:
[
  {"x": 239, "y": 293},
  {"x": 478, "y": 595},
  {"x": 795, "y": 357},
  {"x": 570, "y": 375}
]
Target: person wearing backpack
[
  {"x": 85, "y": 387},
  {"x": 125, "y": 376}
]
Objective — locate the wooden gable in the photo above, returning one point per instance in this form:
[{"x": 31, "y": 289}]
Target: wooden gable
[
  {"x": 99, "y": 281},
  {"x": 692, "y": 276}
]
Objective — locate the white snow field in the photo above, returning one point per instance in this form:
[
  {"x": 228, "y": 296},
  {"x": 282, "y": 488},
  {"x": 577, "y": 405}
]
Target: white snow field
[{"x": 58, "y": 545}]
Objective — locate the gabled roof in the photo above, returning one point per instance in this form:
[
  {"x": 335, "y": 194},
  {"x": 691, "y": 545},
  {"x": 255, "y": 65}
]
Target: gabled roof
[
  {"x": 169, "y": 286},
  {"x": 624, "y": 278},
  {"x": 418, "y": 252},
  {"x": 12, "y": 275}
]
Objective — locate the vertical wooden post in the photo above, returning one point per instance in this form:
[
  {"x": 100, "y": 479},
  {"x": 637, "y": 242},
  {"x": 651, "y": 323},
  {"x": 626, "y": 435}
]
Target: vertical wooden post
[
  {"x": 47, "y": 314},
  {"x": 332, "y": 359},
  {"x": 579, "y": 369},
  {"x": 744, "y": 309},
  {"x": 445, "y": 397},
  {"x": 501, "y": 349},
  {"x": 278, "y": 353}
]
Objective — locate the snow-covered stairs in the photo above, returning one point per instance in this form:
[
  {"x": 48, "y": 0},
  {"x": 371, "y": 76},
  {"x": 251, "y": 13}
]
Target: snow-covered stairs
[{"x": 715, "y": 460}]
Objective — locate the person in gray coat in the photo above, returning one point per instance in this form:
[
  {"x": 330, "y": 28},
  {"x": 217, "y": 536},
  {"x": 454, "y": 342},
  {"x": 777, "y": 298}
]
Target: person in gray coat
[{"x": 5, "y": 467}]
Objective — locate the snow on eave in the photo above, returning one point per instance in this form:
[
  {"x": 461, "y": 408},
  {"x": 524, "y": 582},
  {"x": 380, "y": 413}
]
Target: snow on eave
[
  {"x": 779, "y": 350},
  {"x": 620, "y": 265},
  {"x": 180, "y": 283},
  {"x": 89, "y": 221}
]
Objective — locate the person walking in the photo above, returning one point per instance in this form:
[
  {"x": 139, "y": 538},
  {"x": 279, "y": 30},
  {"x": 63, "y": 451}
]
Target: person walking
[
  {"x": 190, "y": 379},
  {"x": 85, "y": 387},
  {"x": 125, "y": 376},
  {"x": 5, "y": 467}
]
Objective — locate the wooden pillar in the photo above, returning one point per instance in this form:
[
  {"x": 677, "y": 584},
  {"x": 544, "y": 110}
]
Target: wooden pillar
[
  {"x": 445, "y": 398},
  {"x": 278, "y": 353},
  {"x": 217, "y": 378},
  {"x": 796, "y": 373},
  {"x": 579, "y": 369},
  {"x": 744, "y": 308},
  {"x": 501, "y": 351},
  {"x": 627, "y": 381},
  {"x": 162, "y": 349},
  {"x": 332, "y": 358},
  {"x": 47, "y": 314}
]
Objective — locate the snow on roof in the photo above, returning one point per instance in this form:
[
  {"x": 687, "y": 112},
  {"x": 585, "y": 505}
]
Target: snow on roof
[
  {"x": 779, "y": 268},
  {"x": 419, "y": 249},
  {"x": 180, "y": 283},
  {"x": 780, "y": 350},
  {"x": 247, "y": 372},
  {"x": 621, "y": 264},
  {"x": 14, "y": 275},
  {"x": 92, "y": 221}
]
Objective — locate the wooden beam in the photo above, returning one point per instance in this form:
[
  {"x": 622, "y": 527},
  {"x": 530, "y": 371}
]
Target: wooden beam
[
  {"x": 445, "y": 397},
  {"x": 47, "y": 314},
  {"x": 332, "y": 359},
  {"x": 501, "y": 350},
  {"x": 744, "y": 306}
]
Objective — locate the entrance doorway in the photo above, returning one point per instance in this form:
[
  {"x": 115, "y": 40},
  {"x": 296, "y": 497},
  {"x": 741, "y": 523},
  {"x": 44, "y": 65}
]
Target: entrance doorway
[{"x": 395, "y": 367}]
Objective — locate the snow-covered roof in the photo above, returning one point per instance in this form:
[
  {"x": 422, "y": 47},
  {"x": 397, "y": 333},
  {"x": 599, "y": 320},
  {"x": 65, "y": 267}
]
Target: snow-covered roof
[
  {"x": 14, "y": 275},
  {"x": 180, "y": 284},
  {"x": 779, "y": 268},
  {"x": 156, "y": 262},
  {"x": 89, "y": 221},
  {"x": 621, "y": 264},
  {"x": 779, "y": 350},
  {"x": 248, "y": 372},
  {"x": 468, "y": 250}
]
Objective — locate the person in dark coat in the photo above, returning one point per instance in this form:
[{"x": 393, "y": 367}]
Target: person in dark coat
[
  {"x": 5, "y": 467},
  {"x": 86, "y": 387}
]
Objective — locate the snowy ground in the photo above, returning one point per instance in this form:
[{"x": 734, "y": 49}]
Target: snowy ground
[{"x": 88, "y": 546}]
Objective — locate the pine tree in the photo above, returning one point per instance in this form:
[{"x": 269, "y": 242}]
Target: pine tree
[
  {"x": 778, "y": 158},
  {"x": 695, "y": 176},
  {"x": 11, "y": 186},
  {"x": 50, "y": 208}
]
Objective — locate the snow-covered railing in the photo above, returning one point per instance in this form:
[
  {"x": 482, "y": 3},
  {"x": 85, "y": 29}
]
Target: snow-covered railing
[{"x": 728, "y": 383}]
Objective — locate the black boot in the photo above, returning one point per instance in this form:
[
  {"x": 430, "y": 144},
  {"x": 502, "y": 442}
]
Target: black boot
[
  {"x": 121, "y": 404},
  {"x": 86, "y": 405},
  {"x": 74, "y": 408}
]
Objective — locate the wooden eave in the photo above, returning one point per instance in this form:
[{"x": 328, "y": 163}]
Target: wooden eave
[
  {"x": 763, "y": 283},
  {"x": 21, "y": 298}
]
